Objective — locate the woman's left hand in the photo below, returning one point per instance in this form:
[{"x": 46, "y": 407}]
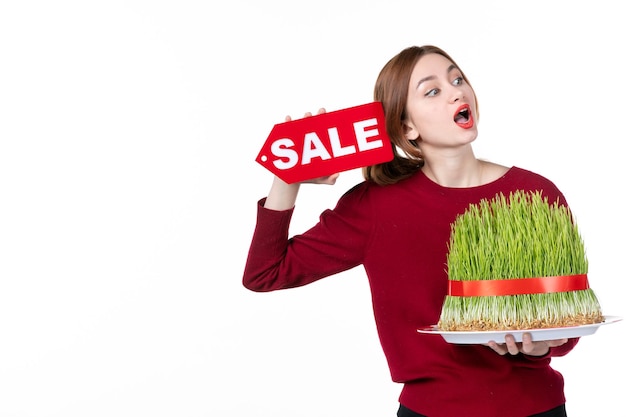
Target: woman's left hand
[{"x": 527, "y": 346}]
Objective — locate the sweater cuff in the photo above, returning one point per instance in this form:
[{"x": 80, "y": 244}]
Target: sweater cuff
[{"x": 273, "y": 224}]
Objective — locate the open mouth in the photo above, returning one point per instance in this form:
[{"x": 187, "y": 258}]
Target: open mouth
[{"x": 463, "y": 117}]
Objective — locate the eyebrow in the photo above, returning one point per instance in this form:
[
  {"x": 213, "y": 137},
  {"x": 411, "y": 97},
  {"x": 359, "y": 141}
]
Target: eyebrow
[{"x": 432, "y": 77}]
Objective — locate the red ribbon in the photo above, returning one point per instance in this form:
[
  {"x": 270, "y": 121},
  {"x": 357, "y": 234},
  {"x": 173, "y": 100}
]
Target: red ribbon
[{"x": 515, "y": 286}]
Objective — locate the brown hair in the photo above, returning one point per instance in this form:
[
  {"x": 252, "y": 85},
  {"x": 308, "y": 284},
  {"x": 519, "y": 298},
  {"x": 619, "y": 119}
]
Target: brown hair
[{"x": 392, "y": 89}]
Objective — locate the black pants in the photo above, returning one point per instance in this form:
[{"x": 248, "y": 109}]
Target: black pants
[{"x": 555, "y": 412}]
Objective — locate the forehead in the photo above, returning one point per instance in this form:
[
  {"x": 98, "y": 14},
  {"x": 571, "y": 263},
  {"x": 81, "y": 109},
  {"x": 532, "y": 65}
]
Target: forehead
[{"x": 429, "y": 66}]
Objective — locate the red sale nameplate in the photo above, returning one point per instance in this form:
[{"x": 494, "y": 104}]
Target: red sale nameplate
[{"x": 328, "y": 143}]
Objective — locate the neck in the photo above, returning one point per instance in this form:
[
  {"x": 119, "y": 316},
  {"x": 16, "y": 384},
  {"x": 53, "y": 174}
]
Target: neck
[{"x": 459, "y": 171}]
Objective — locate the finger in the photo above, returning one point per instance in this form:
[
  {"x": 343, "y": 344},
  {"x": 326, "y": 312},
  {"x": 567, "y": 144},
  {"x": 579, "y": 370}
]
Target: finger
[
  {"x": 328, "y": 179},
  {"x": 287, "y": 118},
  {"x": 555, "y": 343},
  {"x": 511, "y": 344},
  {"x": 321, "y": 110},
  {"x": 497, "y": 348},
  {"x": 332, "y": 178},
  {"x": 308, "y": 114},
  {"x": 527, "y": 343}
]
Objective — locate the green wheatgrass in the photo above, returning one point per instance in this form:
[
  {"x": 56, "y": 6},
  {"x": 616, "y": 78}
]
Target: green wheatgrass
[{"x": 519, "y": 236}]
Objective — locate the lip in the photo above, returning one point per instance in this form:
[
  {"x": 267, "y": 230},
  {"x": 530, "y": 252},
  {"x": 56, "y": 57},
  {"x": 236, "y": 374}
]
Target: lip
[{"x": 470, "y": 117}]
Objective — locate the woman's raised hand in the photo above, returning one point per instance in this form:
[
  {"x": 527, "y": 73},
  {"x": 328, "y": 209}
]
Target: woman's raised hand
[
  {"x": 282, "y": 196},
  {"x": 328, "y": 179}
]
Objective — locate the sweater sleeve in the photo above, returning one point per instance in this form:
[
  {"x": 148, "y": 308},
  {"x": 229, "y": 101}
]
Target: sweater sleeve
[{"x": 335, "y": 244}]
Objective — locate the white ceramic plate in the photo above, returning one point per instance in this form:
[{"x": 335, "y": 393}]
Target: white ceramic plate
[{"x": 480, "y": 337}]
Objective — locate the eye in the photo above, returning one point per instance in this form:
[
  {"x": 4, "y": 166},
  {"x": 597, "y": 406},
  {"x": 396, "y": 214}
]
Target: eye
[
  {"x": 432, "y": 93},
  {"x": 457, "y": 81}
]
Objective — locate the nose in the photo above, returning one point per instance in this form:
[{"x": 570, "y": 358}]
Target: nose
[{"x": 456, "y": 95}]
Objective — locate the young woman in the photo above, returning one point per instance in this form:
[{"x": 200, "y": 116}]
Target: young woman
[{"x": 396, "y": 224}]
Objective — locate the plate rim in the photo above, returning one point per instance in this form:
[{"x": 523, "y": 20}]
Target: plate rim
[{"x": 433, "y": 329}]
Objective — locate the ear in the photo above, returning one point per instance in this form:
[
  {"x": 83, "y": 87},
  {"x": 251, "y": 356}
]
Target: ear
[{"x": 410, "y": 132}]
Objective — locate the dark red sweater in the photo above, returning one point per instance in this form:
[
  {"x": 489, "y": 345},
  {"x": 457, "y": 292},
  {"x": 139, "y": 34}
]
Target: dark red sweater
[{"x": 399, "y": 233}]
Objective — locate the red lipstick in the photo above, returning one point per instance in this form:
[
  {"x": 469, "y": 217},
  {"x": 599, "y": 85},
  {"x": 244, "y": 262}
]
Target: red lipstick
[{"x": 463, "y": 117}]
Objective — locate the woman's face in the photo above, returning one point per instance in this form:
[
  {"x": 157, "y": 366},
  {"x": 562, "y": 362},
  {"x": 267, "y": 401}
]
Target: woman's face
[{"x": 441, "y": 107}]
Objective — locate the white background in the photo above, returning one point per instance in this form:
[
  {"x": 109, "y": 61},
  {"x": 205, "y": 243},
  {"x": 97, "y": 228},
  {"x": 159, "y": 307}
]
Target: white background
[{"x": 128, "y": 189}]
